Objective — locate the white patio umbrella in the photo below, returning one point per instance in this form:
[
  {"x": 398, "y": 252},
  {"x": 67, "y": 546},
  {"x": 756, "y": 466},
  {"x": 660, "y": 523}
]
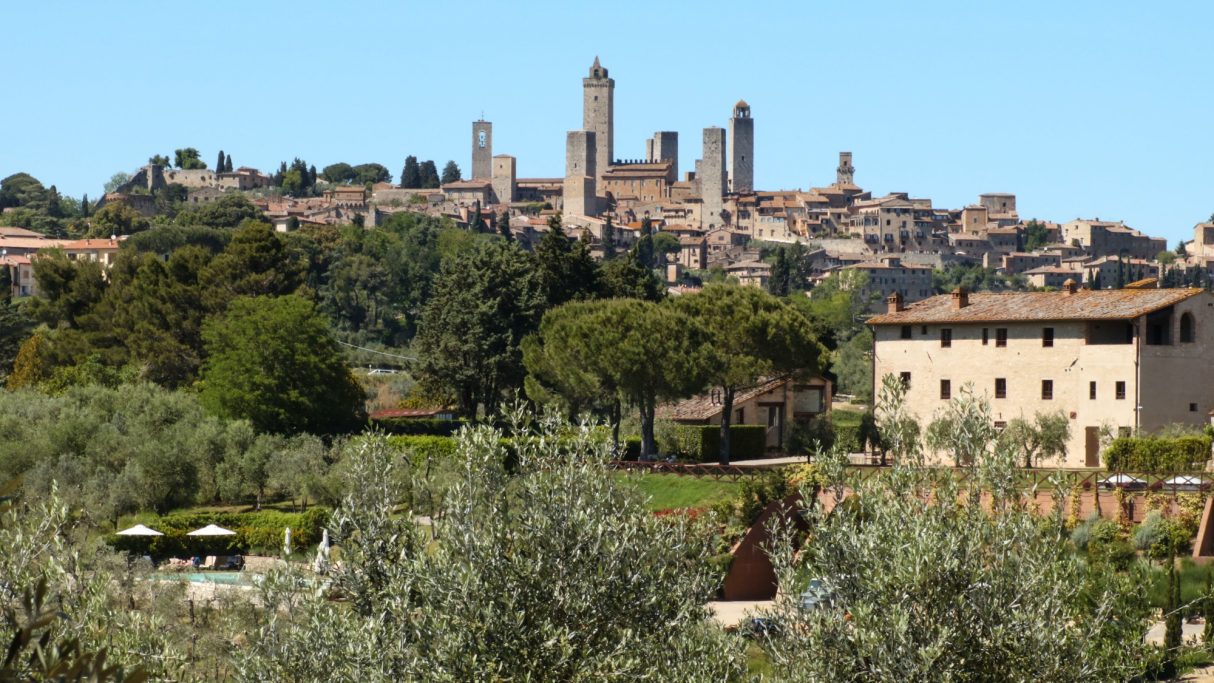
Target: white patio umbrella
[
  {"x": 212, "y": 530},
  {"x": 286, "y": 541},
  {"x": 139, "y": 530}
]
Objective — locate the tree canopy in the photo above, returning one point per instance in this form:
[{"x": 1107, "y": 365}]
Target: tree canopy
[{"x": 272, "y": 361}]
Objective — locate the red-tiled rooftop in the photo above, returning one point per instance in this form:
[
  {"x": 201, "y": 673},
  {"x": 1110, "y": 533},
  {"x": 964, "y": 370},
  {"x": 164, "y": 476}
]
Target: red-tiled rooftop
[{"x": 1105, "y": 304}]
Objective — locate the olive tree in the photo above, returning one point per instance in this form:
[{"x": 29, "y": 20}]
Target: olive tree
[
  {"x": 542, "y": 568},
  {"x": 923, "y": 582}
]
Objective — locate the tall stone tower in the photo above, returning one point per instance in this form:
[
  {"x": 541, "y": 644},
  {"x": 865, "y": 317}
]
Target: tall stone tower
[
  {"x": 580, "y": 167},
  {"x": 664, "y": 146},
  {"x": 482, "y": 150},
  {"x": 503, "y": 180},
  {"x": 846, "y": 173},
  {"x": 742, "y": 153},
  {"x": 712, "y": 177},
  {"x": 598, "y": 116}
]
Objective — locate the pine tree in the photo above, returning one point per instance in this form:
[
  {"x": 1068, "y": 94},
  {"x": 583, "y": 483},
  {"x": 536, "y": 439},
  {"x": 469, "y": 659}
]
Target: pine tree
[
  {"x": 451, "y": 173},
  {"x": 219, "y": 163},
  {"x": 411, "y": 177},
  {"x": 503, "y": 226},
  {"x": 227, "y": 164}
]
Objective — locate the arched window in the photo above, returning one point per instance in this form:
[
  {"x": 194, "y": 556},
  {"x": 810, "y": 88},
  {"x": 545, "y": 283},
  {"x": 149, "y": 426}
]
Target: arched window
[{"x": 1186, "y": 328}]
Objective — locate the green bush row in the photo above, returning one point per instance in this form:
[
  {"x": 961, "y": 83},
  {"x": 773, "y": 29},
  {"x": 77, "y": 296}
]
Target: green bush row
[
  {"x": 426, "y": 427},
  {"x": 702, "y": 443},
  {"x": 1155, "y": 454},
  {"x": 256, "y": 532},
  {"x": 423, "y": 448}
]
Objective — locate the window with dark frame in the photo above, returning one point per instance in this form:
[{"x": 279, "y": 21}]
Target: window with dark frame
[
  {"x": 986, "y": 336},
  {"x": 946, "y": 337},
  {"x": 1192, "y": 407},
  {"x": 1000, "y": 387},
  {"x": 1092, "y": 390},
  {"x": 1120, "y": 391},
  {"x": 1047, "y": 390},
  {"x": 1000, "y": 336},
  {"x": 906, "y": 331},
  {"x": 1047, "y": 336},
  {"x": 905, "y": 377},
  {"x": 946, "y": 390}
]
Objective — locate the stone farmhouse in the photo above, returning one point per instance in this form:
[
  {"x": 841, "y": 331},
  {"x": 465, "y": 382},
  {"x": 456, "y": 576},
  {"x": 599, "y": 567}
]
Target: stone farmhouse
[
  {"x": 1110, "y": 360},
  {"x": 771, "y": 403}
]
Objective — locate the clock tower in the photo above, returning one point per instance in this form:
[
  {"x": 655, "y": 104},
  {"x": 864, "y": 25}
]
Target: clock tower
[{"x": 482, "y": 150}]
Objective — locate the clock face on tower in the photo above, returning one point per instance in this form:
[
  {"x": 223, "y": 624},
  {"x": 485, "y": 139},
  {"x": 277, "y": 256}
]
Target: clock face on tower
[{"x": 480, "y": 139}]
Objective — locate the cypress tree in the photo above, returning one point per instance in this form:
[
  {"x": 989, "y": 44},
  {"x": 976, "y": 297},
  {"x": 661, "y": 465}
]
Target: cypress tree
[
  {"x": 451, "y": 173},
  {"x": 411, "y": 177},
  {"x": 1172, "y": 638},
  {"x": 429, "y": 175},
  {"x": 227, "y": 164},
  {"x": 84, "y": 206},
  {"x": 219, "y": 163},
  {"x": 608, "y": 240},
  {"x": 503, "y": 226}
]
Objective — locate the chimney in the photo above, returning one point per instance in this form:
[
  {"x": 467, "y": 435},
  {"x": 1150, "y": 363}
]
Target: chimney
[
  {"x": 961, "y": 298},
  {"x": 893, "y": 303},
  {"x": 1069, "y": 286}
]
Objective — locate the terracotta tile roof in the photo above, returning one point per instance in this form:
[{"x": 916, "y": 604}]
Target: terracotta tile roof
[
  {"x": 91, "y": 244},
  {"x": 705, "y": 406},
  {"x": 1105, "y": 304}
]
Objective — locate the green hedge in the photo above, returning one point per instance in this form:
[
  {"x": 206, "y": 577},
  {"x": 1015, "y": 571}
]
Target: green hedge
[
  {"x": 423, "y": 448},
  {"x": 426, "y": 427},
  {"x": 702, "y": 442},
  {"x": 1153, "y": 454},
  {"x": 258, "y": 532}
]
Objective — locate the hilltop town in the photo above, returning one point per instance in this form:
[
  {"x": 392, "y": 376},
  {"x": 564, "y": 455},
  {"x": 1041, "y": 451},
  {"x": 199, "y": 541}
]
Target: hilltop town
[{"x": 719, "y": 224}]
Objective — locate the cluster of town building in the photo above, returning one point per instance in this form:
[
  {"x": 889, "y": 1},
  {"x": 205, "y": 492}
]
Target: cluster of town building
[{"x": 717, "y": 214}]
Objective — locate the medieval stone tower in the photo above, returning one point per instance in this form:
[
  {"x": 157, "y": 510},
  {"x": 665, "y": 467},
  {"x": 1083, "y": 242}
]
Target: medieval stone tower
[
  {"x": 598, "y": 116},
  {"x": 846, "y": 173},
  {"x": 482, "y": 150},
  {"x": 503, "y": 180},
  {"x": 712, "y": 177},
  {"x": 742, "y": 153},
  {"x": 580, "y": 172},
  {"x": 664, "y": 146}
]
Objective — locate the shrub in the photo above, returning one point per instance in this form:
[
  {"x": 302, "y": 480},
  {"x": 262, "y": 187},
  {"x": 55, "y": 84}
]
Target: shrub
[
  {"x": 1161, "y": 537},
  {"x": 806, "y": 435},
  {"x": 746, "y": 442},
  {"x": 260, "y": 531},
  {"x": 1157, "y": 454},
  {"x": 428, "y": 427},
  {"x": 423, "y": 448},
  {"x": 702, "y": 443}
]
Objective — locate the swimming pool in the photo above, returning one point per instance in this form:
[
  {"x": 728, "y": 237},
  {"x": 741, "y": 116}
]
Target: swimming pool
[{"x": 224, "y": 578}]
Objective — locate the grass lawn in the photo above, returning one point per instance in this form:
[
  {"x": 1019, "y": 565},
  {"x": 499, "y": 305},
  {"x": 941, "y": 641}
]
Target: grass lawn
[
  {"x": 1192, "y": 581},
  {"x": 669, "y": 491}
]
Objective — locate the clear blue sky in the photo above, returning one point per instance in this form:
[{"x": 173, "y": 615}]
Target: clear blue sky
[{"x": 1093, "y": 109}]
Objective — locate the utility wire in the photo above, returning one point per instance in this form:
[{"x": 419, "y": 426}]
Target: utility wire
[{"x": 382, "y": 353}]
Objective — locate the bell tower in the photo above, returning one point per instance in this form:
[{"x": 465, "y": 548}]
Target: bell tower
[
  {"x": 742, "y": 149},
  {"x": 598, "y": 116},
  {"x": 846, "y": 173},
  {"x": 482, "y": 150}
]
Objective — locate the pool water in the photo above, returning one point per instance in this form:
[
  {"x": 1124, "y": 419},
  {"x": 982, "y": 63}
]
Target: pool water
[{"x": 225, "y": 578}]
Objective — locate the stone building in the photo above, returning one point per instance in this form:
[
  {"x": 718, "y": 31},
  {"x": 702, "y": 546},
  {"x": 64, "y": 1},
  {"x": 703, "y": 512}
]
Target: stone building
[
  {"x": 888, "y": 275},
  {"x": 711, "y": 174},
  {"x": 638, "y": 182},
  {"x": 581, "y": 157},
  {"x": 664, "y": 146},
  {"x": 503, "y": 178},
  {"x": 598, "y": 116},
  {"x": 742, "y": 149},
  {"x": 482, "y": 150},
  {"x": 1106, "y": 238},
  {"x": 845, "y": 174},
  {"x": 1125, "y": 359}
]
